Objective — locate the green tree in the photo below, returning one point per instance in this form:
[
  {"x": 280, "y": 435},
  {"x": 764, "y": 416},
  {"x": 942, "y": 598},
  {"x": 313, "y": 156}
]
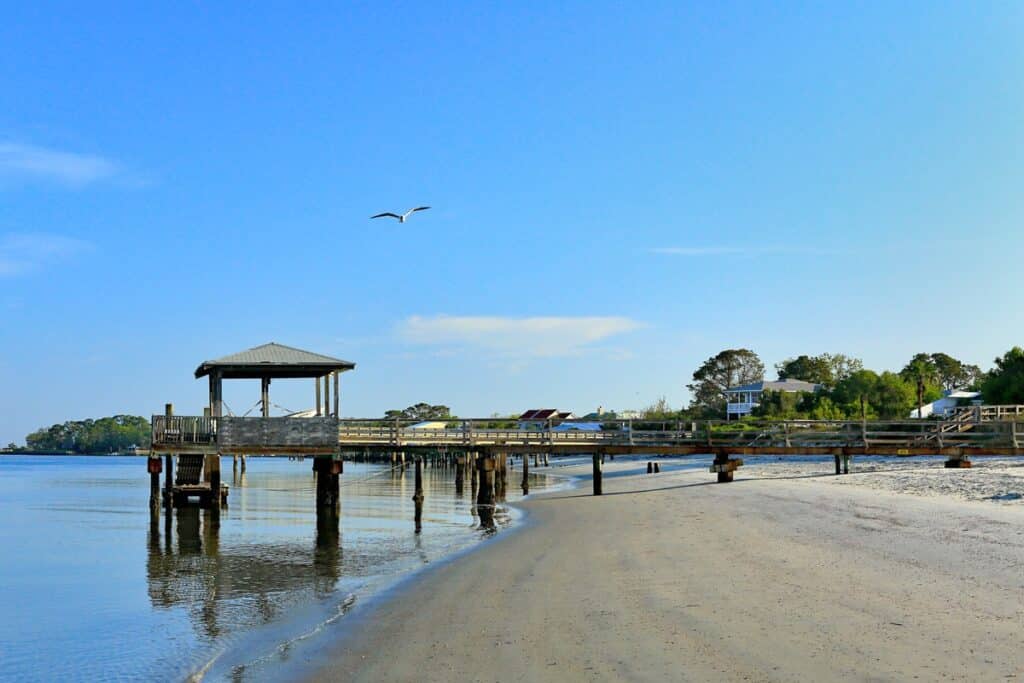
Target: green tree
[
  {"x": 1004, "y": 384},
  {"x": 893, "y": 397},
  {"x": 825, "y": 409},
  {"x": 420, "y": 412},
  {"x": 105, "y": 435},
  {"x": 922, "y": 372},
  {"x": 659, "y": 410},
  {"x": 728, "y": 368},
  {"x": 808, "y": 368},
  {"x": 826, "y": 369},
  {"x": 953, "y": 373},
  {"x": 779, "y": 405},
  {"x": 857, "y": 391}
]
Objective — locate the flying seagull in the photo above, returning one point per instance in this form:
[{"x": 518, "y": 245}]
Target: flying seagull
[{"x": 401, "y": 218}]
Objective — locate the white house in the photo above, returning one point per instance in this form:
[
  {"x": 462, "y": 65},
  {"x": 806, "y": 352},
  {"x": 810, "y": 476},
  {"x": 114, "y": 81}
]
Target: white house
[
  {"x": 945, "y": 406},
  {"x": 742, "y": 400}
]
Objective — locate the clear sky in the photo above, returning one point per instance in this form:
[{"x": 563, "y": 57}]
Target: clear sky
[{"x": 619, "y": 191}]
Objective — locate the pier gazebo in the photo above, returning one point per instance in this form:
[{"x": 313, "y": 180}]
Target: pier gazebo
[
  {"x": 276, "y": 361},
  {"x": 199, "y": 442}
]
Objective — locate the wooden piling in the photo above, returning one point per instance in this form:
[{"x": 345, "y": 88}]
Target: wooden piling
[
  {"x": 417, "y": 496},
  {"x": 724, "y": 466},
  {"x": 650, "y": 467},
  {"x": 213, "y": 464},
  {"x": 657, "y": 468},
  {"x": 597, "y": 474},
  {"x": 485, "y": 472},
  {"x": 327, "y": 486},
  {"x": 154, "y": 483},
  {"x": 526, "y": 476},
  {"x": 460, "y": 473},
  {"x": 169, "y": 466}
]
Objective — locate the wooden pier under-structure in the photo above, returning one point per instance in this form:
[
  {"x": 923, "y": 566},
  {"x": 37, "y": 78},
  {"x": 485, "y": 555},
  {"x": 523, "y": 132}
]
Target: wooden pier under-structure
[
  {"x": 480, "y": 448},
  {"x": 199, "y": 442},
  {"x": 964, "y": 436}
]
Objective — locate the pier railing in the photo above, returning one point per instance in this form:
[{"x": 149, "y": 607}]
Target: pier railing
[
  {"x": 244, "y": 434},
  {"x": 747, "y": 433},
  {"x": 184, "y": 429},
  {"x": 325, "y": 434}
]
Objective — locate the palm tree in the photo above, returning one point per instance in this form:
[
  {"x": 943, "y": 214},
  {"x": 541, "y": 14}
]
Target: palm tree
[{"x": 922, "y": 371}]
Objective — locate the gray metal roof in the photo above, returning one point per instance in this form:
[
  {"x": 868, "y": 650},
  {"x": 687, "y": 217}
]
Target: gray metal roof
[
  {"x": 274, "y": 360},
  {"x": 777, "y": 385}
]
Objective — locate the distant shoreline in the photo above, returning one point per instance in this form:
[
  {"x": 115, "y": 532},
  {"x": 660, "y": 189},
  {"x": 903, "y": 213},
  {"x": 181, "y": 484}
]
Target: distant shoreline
[{"x": 70, "y": 454}]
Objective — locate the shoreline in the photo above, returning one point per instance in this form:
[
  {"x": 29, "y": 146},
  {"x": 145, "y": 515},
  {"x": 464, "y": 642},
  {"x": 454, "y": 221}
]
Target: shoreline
[{"x": 777, "y": 592}]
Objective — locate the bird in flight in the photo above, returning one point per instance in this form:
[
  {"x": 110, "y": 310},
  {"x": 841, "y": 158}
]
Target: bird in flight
[{"x": 401, "y": 217}]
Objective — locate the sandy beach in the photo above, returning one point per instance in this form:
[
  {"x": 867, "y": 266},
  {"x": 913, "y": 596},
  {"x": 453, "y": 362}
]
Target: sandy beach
[{"x": 786, "y": 574}]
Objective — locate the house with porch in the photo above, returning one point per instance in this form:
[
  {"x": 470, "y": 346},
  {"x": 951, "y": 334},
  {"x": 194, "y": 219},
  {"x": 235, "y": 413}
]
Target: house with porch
[{"x": 740, "y": 401}]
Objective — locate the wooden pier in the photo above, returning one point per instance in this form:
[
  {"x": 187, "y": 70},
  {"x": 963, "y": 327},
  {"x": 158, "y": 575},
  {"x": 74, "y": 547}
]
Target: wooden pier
[{"x": 481, "y": 446}]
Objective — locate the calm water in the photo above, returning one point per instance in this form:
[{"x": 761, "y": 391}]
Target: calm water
[{"x": 91, "y": 588}]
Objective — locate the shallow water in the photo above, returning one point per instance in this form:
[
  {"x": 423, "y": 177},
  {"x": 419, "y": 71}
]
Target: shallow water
[{"x": 92, "y": 587}]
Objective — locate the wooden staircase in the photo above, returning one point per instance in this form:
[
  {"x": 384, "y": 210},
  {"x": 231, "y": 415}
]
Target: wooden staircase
[{"x": 190, "y": 470}]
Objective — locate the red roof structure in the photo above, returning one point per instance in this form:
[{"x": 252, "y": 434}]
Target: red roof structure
[{"x": 544, "y": 414}]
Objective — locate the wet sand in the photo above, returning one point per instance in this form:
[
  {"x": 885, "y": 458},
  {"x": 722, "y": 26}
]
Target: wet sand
[{"x": 671, "y": 577}]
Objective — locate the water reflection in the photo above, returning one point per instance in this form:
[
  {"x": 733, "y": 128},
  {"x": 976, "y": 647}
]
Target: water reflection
[
  {"x": 250, "y": 581},
  {"x": 250, "y": 584}
]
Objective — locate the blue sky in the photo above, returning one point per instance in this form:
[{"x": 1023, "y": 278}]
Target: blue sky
[{"x": 619, "y": 191}]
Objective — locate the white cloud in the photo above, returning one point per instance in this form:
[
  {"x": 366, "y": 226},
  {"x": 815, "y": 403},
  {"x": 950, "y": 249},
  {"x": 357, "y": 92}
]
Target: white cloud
[
  {"x": 521, "y": 337},
  {"x": 24, "y": 252},
  {"x": 38, "y": 163},
  {"x": 742, "y": 251}
]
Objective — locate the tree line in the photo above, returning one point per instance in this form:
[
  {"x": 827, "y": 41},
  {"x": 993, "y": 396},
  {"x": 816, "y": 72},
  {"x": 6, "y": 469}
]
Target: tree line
[
  {"x": 847, "y": 389},
  {"x": 91, "y": 437}
]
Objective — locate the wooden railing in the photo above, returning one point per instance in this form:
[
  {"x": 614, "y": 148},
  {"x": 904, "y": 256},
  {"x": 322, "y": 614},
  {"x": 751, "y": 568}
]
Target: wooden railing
[
  {"x": 233, "y": 434},
  {"x": 748, "y": 433},
  {"x": 184, "y": 429},
  {"x": 238, "y": 432}
]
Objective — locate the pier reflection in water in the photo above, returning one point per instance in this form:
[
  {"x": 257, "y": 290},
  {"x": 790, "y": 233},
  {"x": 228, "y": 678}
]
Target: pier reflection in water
[
  {"x": 238, "y": 572},
  {"x": 94, "y": 588}
]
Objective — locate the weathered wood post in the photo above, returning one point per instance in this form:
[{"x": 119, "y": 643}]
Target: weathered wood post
[
  {"x": 460, "y": 473},
  {"x": 597, "y": 474},
  {"x": 417, "y": 496},
  {"x": 337, "y": 395},
  {"x": 327, "y": 395},
  {"x": 168, "y": 462},
  {"x": 327, "y": 486},
  {"x": 724, "y": 466},
  {"x": 958, "y": 459},
  {"x": 837, "y": 454},
  {"x": 213, "y": 463},
  {"x": 526, "y": 475},
  {"x": 153, "y": 466},
  {"x": 503, "y": 460},
  {"x": 474, "y": 475},
  {"x": 485, "y": 471},
  {"x": 650, "y": 467},
  {"x": 657, "y": 468}
]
